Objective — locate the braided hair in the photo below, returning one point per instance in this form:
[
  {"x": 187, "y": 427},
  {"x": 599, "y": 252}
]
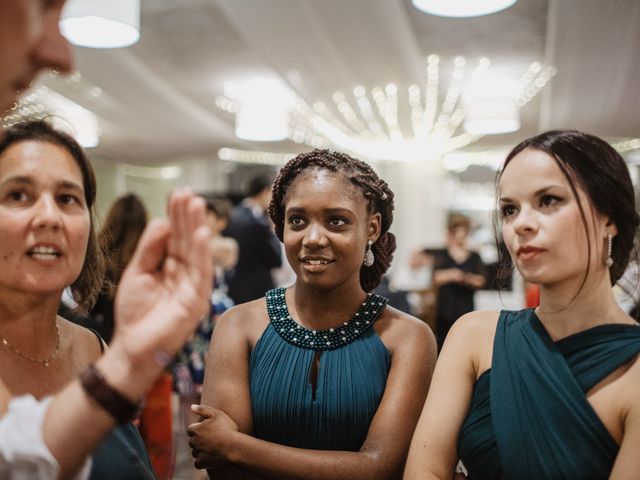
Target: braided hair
[{"x": 375, "y": 190}]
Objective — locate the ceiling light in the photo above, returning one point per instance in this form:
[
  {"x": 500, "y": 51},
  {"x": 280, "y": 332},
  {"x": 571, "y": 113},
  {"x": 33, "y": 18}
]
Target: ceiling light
[
  {"x": 261, "y": 106},
  {"x": 261, "y": 121},
  {"x": 100, "y": 23},
  {"x": 462, "y": 8},
  {"x": 490, "y": 116}
]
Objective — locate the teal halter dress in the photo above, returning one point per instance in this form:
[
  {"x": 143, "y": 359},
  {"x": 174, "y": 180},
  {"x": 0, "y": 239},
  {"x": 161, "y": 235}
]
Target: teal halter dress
[
  {"x": 529, "y": 416},
  {"x": 334, "y": 411}
]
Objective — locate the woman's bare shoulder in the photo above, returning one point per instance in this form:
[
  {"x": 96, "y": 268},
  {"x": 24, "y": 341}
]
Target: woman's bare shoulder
[
  {"x": 472, "y": 337},
  {"x": 83, "y": 342},
  {"x": 247, "y": 319},
  {"x": 399, "y": 328},
  {"x": 480, "y": 322}
]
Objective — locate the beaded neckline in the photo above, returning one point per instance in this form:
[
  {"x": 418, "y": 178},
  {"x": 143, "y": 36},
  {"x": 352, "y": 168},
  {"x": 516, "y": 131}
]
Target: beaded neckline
[{"x": 329, "y": 339}]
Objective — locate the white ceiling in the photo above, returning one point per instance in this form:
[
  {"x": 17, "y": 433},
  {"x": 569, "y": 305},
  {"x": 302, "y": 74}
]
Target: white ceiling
[{"x": 158, "y": 97}]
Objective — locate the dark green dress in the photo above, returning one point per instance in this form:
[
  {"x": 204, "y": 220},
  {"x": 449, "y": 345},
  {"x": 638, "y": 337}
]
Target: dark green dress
[
  {"x": 335, "y": 411},
  {"x": 529, "y": 416},
  {"x": 122, "y": 455}
]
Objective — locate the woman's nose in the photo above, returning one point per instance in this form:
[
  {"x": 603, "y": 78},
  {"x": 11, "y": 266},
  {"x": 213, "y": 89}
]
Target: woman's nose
[
  {"x": 525, "y": 221},
  {"x": 47, "y": 213},
  {"x": 314, "y": 235}
]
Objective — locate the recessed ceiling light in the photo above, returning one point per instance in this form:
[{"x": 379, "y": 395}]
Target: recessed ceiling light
[{"x": 462, "y": 8}]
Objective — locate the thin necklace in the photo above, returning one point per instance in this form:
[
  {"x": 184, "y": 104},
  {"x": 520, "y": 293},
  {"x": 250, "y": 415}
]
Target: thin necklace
[{"x": 44, "y": 361}]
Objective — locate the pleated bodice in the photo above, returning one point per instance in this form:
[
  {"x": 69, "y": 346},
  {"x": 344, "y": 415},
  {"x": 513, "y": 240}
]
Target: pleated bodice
[{"x": 335, "y": 413}]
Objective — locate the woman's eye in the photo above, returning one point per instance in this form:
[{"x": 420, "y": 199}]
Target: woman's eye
[
  {"x": 507, "y": 210},
  {"x": 337, "y": 222},
  {"x": 67, "y": 199},
  {"x": 17, "y": 196},
  {"x": 548, "y": 200},
  {"x": 296, "y": 221}
]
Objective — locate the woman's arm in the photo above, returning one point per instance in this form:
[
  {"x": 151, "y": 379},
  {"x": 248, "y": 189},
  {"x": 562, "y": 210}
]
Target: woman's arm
[
  {"x": 474, "y": 280},
  {"x": 627, "y": 462},
  {"x": 447, "y": 275},
  {"x": 383, "y": 453},
  {"x": 433, "y": 452},
  {"x": 226, "y": 383}
]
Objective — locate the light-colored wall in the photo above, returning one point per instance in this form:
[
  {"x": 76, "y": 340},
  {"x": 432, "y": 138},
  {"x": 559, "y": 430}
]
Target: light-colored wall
[{"x": 115, "y": 179}]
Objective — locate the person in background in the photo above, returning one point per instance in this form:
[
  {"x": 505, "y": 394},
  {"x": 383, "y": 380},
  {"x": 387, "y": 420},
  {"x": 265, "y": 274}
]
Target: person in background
[
  {"x": 123, "y": 226},
  {"x": 322, "y": 379},
  {"x": 550, "y": 392},
  {"x": 259, "y": 249},
  {"x": 457, "y": 273},
  {"x": 51, "y": 438},
  {"x": 190, "y": 367}
]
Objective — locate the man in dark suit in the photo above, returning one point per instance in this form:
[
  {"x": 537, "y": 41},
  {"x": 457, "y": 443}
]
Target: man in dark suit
[{"x": 259, "y": 248}]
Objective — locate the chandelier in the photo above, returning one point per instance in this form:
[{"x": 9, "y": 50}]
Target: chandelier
[{"x": 421, "y": 122}]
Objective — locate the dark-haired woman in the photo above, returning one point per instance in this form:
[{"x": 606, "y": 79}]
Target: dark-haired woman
[
  {"x": 118, "y": 238},
  {"x": 47, "y": 243},
  {"x": 323, "y": 379},
  {"x": 550, "y": 392}
]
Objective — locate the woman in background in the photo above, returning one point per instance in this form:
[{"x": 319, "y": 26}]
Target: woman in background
[
  {"x": 457, "y": 273},
  {"x": 118, "y": 238},
  {"x": 550, "y": 392}
]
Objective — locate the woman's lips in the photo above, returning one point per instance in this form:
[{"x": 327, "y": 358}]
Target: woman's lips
[{"x": 527, "y": 253}]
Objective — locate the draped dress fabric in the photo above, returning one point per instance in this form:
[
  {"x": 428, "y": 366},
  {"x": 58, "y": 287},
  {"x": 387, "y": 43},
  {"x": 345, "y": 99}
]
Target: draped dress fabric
[
  {"x": 529, "y": 416},
  {"x": 336, "y": 414}
]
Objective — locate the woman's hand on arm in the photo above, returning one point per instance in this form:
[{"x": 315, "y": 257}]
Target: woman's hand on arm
[
  {"x": 474, "y": 280},
  {"x": 433, "y": 452},
  {"x": 448, "y": 275},
  {"x": 226, "y": 387}
]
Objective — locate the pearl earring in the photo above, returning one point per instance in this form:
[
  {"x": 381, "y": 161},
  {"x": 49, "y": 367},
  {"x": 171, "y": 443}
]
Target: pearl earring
[
  {"x": 369, "y": 258},
  {"x": 609, "y": 260}
]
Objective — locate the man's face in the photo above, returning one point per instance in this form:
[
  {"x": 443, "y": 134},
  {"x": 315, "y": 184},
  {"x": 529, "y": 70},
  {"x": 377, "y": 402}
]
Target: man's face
[{"x": 30, "y": 41}]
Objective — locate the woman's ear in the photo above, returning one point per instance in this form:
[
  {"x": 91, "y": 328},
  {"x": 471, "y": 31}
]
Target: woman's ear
[
  {"x": 611, "y": 228},
  {"x": 374, "y": 227}
]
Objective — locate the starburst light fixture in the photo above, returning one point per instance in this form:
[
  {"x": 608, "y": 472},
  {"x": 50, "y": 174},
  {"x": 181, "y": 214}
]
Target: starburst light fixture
[{"x": 418, "y": 123}]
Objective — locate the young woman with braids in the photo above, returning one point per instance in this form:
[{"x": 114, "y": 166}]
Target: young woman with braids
[
  {"x": 322, "y": 380},
  {"x": 550, "y": 392}
]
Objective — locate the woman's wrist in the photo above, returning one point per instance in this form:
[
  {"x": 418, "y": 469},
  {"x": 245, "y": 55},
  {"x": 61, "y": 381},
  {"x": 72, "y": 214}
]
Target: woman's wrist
[
  {"x": 130, "y": 379},
  {"x": 232, "y": 448}
]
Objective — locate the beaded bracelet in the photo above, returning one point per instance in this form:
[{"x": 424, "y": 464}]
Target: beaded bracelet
[{"x": 116, "y": 404}]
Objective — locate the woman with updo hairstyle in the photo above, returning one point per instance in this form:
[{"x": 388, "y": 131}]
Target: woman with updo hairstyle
[
  {"x": 551, "y": 391},
  {"x": 322, "y": 379}
]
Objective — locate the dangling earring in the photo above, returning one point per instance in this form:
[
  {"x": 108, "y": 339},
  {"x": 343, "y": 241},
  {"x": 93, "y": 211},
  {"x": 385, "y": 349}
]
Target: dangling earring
[
  {"x": 369, "y": 258},
  {"x": 609, "y": 260}
]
